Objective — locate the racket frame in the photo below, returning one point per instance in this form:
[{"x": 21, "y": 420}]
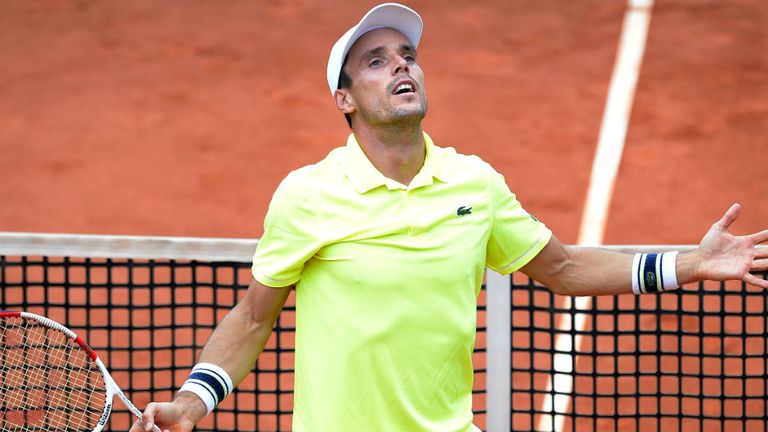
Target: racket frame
[{"x": 110, "y": 386}]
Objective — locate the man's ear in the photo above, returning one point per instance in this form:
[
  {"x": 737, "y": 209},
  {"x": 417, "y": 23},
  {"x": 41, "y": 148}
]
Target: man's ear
[{"x": 344, "y": 101}]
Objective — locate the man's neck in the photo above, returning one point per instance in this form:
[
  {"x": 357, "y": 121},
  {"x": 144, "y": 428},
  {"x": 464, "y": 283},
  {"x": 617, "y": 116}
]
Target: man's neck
[{"x": 398, "y": 153}]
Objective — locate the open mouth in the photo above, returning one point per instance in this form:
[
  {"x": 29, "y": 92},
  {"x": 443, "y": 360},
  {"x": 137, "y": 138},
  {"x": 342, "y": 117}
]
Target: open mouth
[{"x": 404, "y": 88}]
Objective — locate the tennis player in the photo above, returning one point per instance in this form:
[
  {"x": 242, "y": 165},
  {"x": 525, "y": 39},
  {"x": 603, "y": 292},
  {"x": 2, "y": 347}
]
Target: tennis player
[{"x": 385, "y": 242}]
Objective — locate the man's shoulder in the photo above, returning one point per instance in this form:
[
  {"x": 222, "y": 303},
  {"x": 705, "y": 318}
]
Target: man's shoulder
[
  {"x": 311, "y": 174},
  {"x": 467, "y": 164}
]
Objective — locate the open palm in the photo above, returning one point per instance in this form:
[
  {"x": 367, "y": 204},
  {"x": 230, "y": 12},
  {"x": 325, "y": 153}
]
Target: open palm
[{"x": 724, "y": 256}]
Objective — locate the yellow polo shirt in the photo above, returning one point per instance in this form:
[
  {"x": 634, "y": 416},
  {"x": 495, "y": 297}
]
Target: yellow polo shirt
[{"x": 387, "y": 278}]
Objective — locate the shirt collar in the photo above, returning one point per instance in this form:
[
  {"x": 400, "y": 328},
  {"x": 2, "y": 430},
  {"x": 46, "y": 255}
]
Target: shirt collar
[{"x": 365, "y": 177}]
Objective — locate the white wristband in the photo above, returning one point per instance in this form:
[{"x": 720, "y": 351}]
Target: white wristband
[
  {"x": 669, "y": 271},
  {"x": 636, "y": 274},
  {"x": 210, "y": 383},
  {"x": 654, "y": 272}
]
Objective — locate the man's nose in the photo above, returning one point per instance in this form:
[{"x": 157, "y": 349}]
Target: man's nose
[{"x": 401, "y": 65}]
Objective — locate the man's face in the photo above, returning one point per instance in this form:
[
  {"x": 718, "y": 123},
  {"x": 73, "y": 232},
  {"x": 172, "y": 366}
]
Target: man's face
[{"x": 387, "y": 81}]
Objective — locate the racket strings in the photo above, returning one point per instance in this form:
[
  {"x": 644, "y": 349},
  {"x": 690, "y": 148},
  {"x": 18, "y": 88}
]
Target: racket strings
[{"x": 47, "y": 383}]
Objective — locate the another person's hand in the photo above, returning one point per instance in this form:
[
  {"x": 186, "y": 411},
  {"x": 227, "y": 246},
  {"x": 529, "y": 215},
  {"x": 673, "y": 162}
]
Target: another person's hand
[{"x": 723, "y": 256}]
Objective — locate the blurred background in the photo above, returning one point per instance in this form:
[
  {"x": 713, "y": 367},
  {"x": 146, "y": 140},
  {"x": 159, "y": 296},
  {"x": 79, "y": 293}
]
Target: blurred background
[{"x": 181, "y": 117}]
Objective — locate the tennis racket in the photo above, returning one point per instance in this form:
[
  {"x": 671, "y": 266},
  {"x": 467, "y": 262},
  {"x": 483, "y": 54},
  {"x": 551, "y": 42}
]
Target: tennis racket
[{"x": 50, "y": 379}]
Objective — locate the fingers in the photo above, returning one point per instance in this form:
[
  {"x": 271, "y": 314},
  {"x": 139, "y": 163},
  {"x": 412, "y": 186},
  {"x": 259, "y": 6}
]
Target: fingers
[
  {"x": 137, "y": 426},
  {"x": 729, "y": 217},
  {"x": 756, "y": 281},
  {"x": 148, "y": 416},
  {"x": 761, "y": 252},
  {"x": 760, "y": 265},
  {"x": 758, "y": 238}
]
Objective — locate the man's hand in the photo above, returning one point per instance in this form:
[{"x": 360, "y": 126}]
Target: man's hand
[
  {"x": 177, "y": 416},
  {"x": 723, "y": 256}
]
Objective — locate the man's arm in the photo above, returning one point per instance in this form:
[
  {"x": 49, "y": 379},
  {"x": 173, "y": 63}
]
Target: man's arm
[
  {"x": 234, "y": 346},
  {"x": 589, "y": 272}
]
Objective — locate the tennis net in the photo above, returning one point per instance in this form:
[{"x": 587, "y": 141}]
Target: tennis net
[{"x": 694, "y": 359}]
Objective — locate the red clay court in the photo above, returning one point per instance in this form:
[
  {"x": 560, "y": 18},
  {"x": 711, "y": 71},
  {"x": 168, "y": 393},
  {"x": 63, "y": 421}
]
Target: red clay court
[{"x": 179, "y": 118}]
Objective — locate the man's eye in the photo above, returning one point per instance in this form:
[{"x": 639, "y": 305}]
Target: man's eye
[
  {"x": 409, "y": 58},
  {"x": 375, "y": 62}
]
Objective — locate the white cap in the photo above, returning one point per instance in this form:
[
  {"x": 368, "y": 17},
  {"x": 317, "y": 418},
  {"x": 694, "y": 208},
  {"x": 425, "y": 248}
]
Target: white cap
[{"x": 386, "y": 15}]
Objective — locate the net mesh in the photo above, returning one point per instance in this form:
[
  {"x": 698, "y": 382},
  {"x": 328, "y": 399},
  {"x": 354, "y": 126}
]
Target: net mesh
[
  {"x": 694, "y": 359},
  {"x": 47, "y": 382},
  {"x": 148, "y": 320}
]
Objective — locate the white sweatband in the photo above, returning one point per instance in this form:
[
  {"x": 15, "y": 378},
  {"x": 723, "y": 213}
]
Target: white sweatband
[
  {"x": 636, "y": 274},
  {"x": 669, "y": 271},
  {"x": 210, "y": 383},
  {"x": 654, "y": 272}
]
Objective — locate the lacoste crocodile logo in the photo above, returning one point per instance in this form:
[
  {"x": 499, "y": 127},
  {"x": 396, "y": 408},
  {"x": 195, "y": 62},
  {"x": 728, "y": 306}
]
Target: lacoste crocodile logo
[
  {"x": 462, "y": 211},
  {"x": 650, "y": 279}
]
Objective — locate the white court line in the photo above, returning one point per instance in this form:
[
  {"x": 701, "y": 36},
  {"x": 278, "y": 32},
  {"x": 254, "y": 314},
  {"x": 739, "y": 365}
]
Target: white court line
[{"x": 610, "y": 146}]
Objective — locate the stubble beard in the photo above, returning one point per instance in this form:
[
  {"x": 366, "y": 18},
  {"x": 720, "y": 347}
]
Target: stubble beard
[{"x": 404, "y": 116}]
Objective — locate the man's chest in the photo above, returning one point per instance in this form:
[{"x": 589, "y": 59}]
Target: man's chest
[{"x": 384, "y": 224}]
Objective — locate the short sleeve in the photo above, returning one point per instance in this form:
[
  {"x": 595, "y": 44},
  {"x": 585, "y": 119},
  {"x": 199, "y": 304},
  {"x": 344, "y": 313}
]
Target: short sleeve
[
  {"x": 290, "y": 235},
  {"x": 516, "y": 236}
]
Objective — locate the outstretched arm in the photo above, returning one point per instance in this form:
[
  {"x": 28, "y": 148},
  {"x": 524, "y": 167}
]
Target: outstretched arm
[
  {"x": 720, "y": 256},
  {"x": 234, "y": 346}
]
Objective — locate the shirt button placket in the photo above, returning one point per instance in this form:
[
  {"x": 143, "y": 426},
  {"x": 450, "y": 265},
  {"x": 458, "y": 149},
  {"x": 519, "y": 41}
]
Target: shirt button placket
[{"x": 408, "y": 200}]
